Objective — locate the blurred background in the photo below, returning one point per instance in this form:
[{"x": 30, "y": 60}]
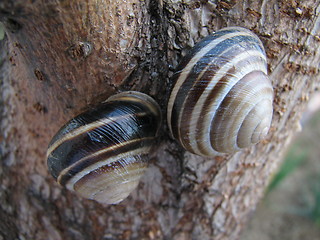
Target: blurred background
[{"x": 290, "y": 209}]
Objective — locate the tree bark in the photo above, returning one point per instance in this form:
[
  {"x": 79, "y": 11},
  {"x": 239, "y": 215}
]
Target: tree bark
[{"x": 62, "y": 57}]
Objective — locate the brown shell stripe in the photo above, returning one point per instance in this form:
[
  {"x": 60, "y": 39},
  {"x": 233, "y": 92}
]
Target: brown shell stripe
[
  {"x": 117, "y": 179},
  {"x": 87, "y": 128},
  {"x": 224, "y": 80},
  {"x": 226, "y": 66},
  {"x": 140, "y": 98},
  {"x": 105, "y": 165},
  {"x": 240, "y": 101},
  {"x": 182, "y": 75},
  {"x": 104, "y": 157},
  {"x": 221, "y": 80},
  {"x": 186, "y": 74}
]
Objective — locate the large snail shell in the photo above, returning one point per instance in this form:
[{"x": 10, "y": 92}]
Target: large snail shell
[
  {"x": 102, "y": 153},
  {"x": 222, "y": 97}
]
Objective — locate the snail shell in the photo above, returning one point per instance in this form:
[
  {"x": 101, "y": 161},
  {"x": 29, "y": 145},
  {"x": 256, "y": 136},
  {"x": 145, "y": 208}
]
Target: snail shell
[
  {"x": 222, "y": 98},
  {"x": 101, "y": 154}
]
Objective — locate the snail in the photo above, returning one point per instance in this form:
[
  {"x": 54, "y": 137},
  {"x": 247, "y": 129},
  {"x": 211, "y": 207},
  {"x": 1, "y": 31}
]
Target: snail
[
  {"x": 101, "y": 154},
  {"x": 222, "y": 98}
]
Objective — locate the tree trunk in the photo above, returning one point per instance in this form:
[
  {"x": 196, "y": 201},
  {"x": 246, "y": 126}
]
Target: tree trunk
[{"x": 61, "y": 57}]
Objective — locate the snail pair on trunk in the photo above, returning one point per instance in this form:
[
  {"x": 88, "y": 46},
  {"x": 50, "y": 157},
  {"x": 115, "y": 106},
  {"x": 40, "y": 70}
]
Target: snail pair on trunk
[{"x": 221, "y": 102}]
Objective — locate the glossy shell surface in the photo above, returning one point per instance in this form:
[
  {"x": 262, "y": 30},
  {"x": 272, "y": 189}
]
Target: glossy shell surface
[
  {"x": 101, "y": 154},
  {"x": 222, "y": 98}
]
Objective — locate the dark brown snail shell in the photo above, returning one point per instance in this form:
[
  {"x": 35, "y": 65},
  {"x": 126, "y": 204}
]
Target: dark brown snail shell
[
  {"x": 101, "y": 154},
  {"x": 222, "y": 97}
]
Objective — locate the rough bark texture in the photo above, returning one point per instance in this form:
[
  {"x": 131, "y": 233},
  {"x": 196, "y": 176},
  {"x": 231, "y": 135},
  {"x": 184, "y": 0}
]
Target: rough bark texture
[{"x": 61, "y": 57}]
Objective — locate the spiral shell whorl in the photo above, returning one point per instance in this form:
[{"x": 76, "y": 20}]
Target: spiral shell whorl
[
  {"x": 101, "y": 154},
  {"x": 222, "y": 97}
]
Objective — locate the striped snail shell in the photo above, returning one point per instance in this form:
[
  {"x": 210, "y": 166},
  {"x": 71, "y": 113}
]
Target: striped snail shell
[
  {"x": 101, "y": 154},
  {"x": 222, "y": 97}
]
